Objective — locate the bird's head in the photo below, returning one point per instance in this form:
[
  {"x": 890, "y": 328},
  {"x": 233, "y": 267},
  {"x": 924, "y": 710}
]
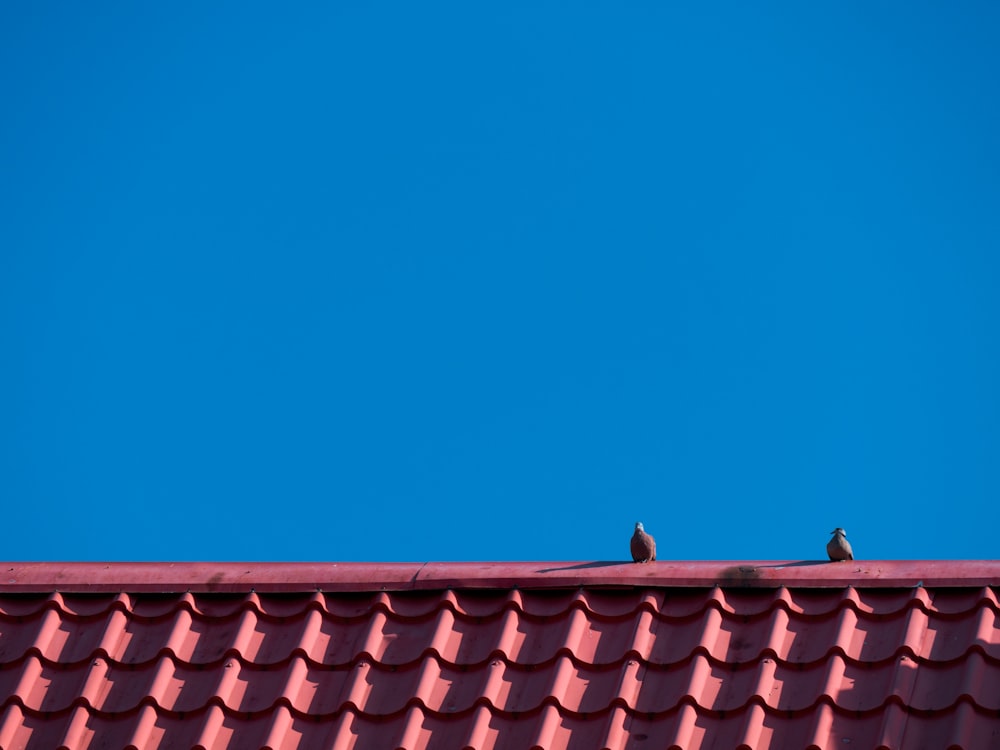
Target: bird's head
[
  {"x": 839, "y": 531},
  {"x": 638, "y": 526}
]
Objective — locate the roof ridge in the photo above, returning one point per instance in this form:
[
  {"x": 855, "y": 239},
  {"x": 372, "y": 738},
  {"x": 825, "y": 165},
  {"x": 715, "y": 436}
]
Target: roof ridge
[{"x": 274, "y": 577}]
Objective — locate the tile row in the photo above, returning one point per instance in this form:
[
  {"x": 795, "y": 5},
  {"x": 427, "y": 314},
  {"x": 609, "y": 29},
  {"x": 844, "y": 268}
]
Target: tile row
[
  {"x": 960, "y": 727},
  {"x": 610, "y": 603},
  {"x": 385, "y": 637},
  {"x": 577, "y": 688}
]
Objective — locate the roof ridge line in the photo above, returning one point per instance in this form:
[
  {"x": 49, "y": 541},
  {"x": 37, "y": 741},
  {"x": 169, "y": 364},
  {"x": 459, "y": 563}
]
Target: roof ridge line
[{"x": 287, "y": 577}]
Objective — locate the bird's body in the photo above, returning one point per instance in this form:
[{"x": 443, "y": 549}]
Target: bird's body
[
  {"x": 839, "y": 548},
  {"x": 643, "y": 545}
]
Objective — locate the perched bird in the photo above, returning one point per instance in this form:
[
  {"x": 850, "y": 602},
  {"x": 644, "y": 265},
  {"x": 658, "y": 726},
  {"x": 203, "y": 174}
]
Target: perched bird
[
  {"x": 643, "y": 545},
  {"x": 839, "y": 548}
]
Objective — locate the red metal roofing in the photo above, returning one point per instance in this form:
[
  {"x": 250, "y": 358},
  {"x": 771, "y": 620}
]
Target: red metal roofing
[
  {"x": 514, "y": 655},
  {"x": 277, "y": 577}
]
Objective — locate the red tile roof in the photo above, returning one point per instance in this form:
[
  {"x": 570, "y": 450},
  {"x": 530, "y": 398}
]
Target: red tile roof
[{"x": 505, "y": 655}]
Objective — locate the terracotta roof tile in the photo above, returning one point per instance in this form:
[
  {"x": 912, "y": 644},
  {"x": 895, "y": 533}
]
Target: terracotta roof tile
[{"x": 659, "y": 663}]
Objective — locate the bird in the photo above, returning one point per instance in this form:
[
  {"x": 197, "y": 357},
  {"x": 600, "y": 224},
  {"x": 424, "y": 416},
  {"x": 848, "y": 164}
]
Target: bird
[
  {"x": 643, "y": 545},
  {"x": 839, "y": 548}
]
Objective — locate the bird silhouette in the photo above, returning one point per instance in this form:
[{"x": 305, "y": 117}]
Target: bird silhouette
[
  {"x": 839, "y": 548},
  {"x": 643, "y": 545}
]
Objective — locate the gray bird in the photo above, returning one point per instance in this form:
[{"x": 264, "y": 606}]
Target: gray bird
[
  {"x": 839, "y": 548},
  {"x": 643, "y": 545}
]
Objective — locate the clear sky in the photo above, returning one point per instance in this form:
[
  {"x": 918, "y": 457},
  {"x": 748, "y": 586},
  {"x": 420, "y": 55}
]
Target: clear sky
[{"x": 425, "y": 281}]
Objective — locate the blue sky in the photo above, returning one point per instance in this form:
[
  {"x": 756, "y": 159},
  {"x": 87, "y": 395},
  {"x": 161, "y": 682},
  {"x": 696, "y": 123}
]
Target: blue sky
[{"x": 437, "y": 282}]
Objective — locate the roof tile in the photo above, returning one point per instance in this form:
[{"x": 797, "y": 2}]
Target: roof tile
[{"x": 657, "y": 665}]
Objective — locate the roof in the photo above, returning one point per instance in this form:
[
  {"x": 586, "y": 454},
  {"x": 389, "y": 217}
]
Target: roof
[{"x": 506, "y": 655}]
